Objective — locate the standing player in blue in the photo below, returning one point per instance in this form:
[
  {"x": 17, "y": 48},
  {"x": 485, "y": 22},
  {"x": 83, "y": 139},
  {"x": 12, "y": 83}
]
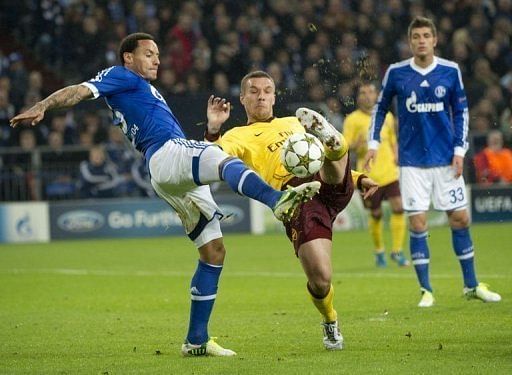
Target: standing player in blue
[
  {"x": 180, "y": 169},
  {"x": 433, "y": 127}
]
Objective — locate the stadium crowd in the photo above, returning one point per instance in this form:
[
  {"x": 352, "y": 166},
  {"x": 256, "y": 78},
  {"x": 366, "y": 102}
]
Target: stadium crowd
[{"x": 317, "y": 51}]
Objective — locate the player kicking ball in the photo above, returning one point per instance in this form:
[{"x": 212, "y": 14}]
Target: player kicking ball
[
  {"x": 180, "y": 169},
  {"x": 258, "y": 144}
]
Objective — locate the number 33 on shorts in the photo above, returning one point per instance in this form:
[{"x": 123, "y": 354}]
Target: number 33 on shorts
[{"x": 457, "y": 195}]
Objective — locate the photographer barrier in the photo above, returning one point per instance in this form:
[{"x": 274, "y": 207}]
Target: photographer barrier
[{"x": 148, "y": 217}]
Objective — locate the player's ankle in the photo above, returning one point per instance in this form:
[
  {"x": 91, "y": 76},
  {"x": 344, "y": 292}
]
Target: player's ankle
[{"x": 339, "y": 152}]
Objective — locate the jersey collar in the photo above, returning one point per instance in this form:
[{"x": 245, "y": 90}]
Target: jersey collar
[
  {"x": 267, "y": 120},
  {"x": 424, "y": 71}
]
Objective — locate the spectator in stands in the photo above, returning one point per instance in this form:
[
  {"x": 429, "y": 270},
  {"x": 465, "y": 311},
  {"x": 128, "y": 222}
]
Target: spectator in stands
[
  {"x": 299, "y": 37},
  {"x": 19, "y": 168},
  {"x": 7, "y": 110},
  {"x": 494, "y": 163},
  {"x": 122, "y": 155},
  {"x": 19, "y": 78},
  {"x": 65, "y": 125},
  {"x": 92, "y": 124},
  {"x": 98, "y": 175},
  {"x": 221, "y": 85},
  {"x": 182, "y": 40},
  {"x": 56, "y": 173}
]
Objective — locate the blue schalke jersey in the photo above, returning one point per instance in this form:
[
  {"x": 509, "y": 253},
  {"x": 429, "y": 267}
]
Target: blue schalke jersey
[
  {"x": 138, "y": 108},
  {"x": 432, "y": 112}
]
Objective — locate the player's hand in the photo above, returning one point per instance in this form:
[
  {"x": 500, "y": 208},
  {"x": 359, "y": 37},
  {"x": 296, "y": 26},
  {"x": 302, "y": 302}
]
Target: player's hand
[
  {"x": 369, "y": 157},
  {"x": 457, "y": 165},
  {"x": 34, "y": 115},
  {"x": 369, "y": 187},
  {"x": 218, "y": 111}
]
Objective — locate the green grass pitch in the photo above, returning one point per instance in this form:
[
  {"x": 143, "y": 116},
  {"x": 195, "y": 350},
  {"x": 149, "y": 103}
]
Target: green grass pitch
[{"x": 121, "y": 307}]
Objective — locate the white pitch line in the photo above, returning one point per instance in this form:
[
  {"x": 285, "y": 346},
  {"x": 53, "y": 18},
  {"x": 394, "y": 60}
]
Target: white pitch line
[{"x": 227, "y": 273}]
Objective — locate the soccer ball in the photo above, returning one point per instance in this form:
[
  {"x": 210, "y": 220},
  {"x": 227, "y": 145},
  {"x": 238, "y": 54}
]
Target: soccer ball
[{"x": 302, "y": 154}]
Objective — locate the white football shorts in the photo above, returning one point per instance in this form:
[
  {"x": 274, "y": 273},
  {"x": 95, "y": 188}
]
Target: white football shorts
[
  {"x": 420, "y": 186},
  {"x": 179, "y": 171}
]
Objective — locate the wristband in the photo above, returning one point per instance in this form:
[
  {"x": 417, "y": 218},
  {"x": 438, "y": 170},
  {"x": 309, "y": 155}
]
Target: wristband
[{"x": 359, "y": 181}]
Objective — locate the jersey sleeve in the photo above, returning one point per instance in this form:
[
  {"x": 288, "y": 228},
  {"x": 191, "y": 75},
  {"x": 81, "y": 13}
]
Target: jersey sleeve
[
  {"x": 380, "y": 110},
  {"x": 349, "y": 131},
  {"x": 231, "y": 144},
  {"x": 111, "y": 81},
  {"x": 390, "y": 119},
  {"x": 459, "y": 104}
]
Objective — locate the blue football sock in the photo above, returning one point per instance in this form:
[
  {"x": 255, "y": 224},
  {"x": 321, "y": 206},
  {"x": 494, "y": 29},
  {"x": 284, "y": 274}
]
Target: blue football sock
[
  {"x": 420, "y": 256},
  {"x": 203, "y": 290},
  {"x": 463, "y": 247},
  {"x": 246, "y": 182}
]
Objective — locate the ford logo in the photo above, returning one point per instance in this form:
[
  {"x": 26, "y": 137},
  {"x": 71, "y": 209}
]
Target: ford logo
[
  {"x": 80, "y": 221},
  {"x": 232, "y": 214}
]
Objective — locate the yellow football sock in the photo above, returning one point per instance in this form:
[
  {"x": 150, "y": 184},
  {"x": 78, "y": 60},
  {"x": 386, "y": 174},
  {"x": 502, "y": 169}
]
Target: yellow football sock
[
  {"x": 397, "y": 225},
  {"x": 337, "y": 154},
  {"x": 375, "y": 226},
  {"x": 325, "y": 305}
]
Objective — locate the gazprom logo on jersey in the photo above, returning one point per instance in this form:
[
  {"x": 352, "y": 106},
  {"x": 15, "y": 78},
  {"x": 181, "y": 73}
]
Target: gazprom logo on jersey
[
  {"x": 80, "y": 221},
  {"x": 413, "y": 107}
]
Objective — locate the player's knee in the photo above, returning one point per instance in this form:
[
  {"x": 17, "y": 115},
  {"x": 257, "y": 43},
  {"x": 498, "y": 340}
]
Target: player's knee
[
  {"x": 418, "y": 223},
  {"x": 320, "y": 285},
  {"x": 459, "y": 220},
  {"x": 213, "y": 252},
  {"x": 210, "y": 165},
  {"x": 376, "y": 214}
]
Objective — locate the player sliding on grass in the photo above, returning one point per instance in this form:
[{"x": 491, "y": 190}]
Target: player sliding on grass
[
  {"x": 259, "y": 145},
  {"x": 180, "y": 169},
  {"x": 432, "y": 142}
]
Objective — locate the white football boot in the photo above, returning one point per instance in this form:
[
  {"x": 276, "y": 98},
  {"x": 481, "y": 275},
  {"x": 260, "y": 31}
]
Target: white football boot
[
  {"x": 209, "y": 348},
  {"x": 427, "y": 298},
  {"x": 333, "y": 340},
  {"x": 481, "y": 292}
]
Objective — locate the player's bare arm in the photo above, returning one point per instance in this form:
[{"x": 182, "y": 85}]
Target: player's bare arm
[
  {"x": 65, "y": 97},
  {"x": 457, "y": 164},
  {"x": 369, "y": 157},
  {"x": 217, "y": 112}
]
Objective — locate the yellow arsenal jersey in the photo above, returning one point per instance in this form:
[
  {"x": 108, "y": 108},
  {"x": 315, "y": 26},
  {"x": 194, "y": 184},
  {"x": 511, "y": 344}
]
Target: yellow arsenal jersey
[
  {"x": 259, "y": 146},
  {"x": 355, "y": 129}
]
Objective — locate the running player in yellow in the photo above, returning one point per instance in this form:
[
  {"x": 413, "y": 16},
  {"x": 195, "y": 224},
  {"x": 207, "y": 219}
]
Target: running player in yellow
[
  {"x": 384, "y": 172},
  {"x": 259, "y": 145}
]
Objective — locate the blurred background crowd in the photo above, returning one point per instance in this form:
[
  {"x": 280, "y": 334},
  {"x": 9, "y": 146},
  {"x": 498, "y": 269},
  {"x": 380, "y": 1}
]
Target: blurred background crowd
[{"x": 316, "y": 50}]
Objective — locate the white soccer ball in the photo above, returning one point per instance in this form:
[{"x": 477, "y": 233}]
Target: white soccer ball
[{"x": 302, "y": 154}]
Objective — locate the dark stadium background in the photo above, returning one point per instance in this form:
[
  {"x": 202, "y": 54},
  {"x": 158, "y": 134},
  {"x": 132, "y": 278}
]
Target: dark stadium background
[{"x": 317, "y": 51}]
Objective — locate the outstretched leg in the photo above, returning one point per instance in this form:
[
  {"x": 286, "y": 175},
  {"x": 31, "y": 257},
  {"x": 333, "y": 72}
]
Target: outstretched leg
[
  {"x": 213, "y": 164},
  {"x": 335, "y": 145}
]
